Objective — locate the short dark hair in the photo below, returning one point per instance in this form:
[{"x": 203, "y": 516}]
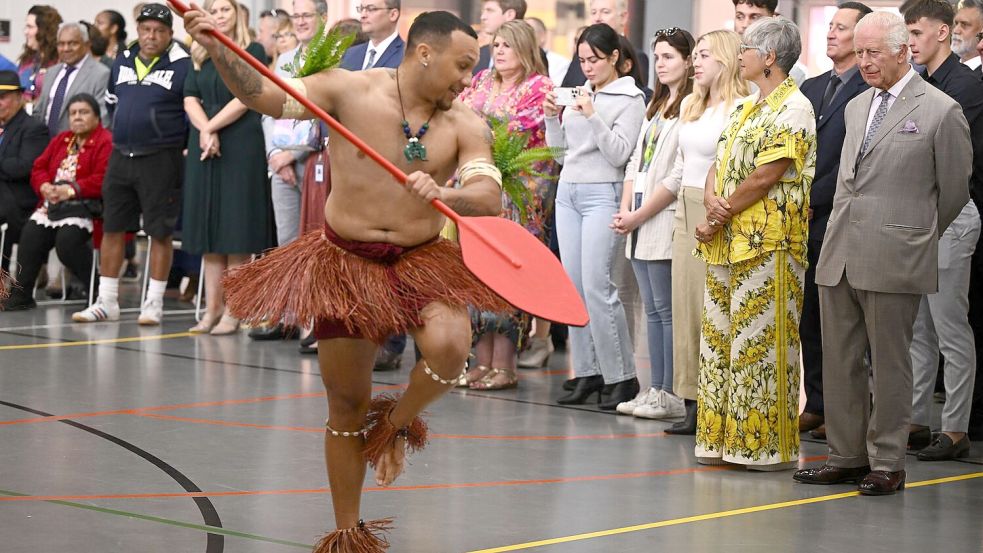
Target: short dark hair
[
  {"x": 116, "y": 18},
  {"x": 939, "y": 10},
  {"x": 770, "y": 5},
  {"x": 864, "y": 9},
  {"x": 603, "y": 40},
  {"x": 88, "y": 99},
  {"x": 439, "y": 25},
  {"x": 518, "y": 6}
]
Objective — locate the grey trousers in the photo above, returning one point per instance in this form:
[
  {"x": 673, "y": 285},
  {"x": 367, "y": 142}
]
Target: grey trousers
[
  {"x": 853, "y": 321},
  {"x": 286, "y": 206},
  {"x": 943, "y": 324}
]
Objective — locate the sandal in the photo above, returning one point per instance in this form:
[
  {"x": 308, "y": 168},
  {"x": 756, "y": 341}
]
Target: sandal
[
  {"x": 473, "y": 375},
  {"x": 491, "y": 380}
]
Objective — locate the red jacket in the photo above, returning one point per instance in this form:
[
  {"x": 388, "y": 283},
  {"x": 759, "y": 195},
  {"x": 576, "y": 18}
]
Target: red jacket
[{"x": 93, "y": 159}]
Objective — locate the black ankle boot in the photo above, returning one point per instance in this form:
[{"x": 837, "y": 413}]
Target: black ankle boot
[
  {"x": 625, "y": 390},
  {"x": 582, "y": 390},
  {"x": 570, "y": 384},
  {"x": 688, "y": 426}
]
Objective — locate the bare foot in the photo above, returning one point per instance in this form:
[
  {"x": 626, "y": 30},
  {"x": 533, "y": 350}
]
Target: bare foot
[{"x": 391, "y": 464}]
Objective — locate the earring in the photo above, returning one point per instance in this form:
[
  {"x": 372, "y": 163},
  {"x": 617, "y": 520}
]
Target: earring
[
  {"x": 767, "y": 72},
  {"x": 425, "y": 64}
]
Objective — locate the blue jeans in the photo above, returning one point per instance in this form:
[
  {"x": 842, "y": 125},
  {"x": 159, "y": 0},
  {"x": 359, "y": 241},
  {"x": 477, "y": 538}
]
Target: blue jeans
[
  {"x": 655, "y": 286},
  {"x": 587, "y": 248}
]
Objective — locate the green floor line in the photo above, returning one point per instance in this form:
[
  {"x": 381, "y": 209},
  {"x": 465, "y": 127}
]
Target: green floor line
[{"x": 178, "y": 523}]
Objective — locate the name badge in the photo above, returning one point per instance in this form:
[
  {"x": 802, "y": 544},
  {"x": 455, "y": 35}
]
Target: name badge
[
  {"x": 319, "y": 172},
  {"x": 638, "y": 200}
]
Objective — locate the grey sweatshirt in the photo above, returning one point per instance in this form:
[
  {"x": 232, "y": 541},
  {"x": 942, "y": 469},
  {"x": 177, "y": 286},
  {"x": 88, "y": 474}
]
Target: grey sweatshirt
[{"x": 596, "y": 149}]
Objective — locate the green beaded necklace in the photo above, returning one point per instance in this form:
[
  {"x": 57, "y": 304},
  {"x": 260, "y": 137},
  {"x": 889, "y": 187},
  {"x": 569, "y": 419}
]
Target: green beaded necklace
[{"x": 414, "y": 149}]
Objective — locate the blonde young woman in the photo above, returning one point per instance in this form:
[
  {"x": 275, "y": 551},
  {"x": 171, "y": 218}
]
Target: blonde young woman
[
  {"x": 717, "y": 88},
  {"x": 226, "y": 197},
  {"x": 285, "y": 39},
  {"x": 646, "y": 217}
]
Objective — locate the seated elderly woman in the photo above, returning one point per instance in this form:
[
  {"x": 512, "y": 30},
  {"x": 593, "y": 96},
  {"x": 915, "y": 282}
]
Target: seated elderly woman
[
  {"x": 754, "y": 244},
  {"x": 68, "y": 179}
]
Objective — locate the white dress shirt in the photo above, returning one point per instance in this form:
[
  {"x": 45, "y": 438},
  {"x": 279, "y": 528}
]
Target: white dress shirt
[
  {"x": 379, "y": 49},
  {"x": 894, "y": 92},
  {"x": 973, "y": 63},
  {"x": 54, "y": 85}
]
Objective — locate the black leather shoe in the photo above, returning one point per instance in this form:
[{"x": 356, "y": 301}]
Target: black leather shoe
[
  {"x": 810, "y": 421},
  {"x": 827, "y": 475},
  {"x": 586, "y": 386},
  {"x": 919, "y": 439},
  {"x": 308, "y": 344},
  {"x": 687, "y": 427},
  {"x": 19, "y": 301},
  {"x": 944, "y": 449},
  {"x": 387, "y": 360},
  {"x": 882, "y": 482},
  {"x": 621, "y": 392},
  {"x": 275, "y": 332}
]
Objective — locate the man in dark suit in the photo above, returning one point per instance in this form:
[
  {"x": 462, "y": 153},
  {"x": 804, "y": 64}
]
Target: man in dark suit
[
  {"x": 615, "y": 14},
  {"x": 493, "y": 14},
  {"x": 829, "y": 94},
  {"x": 22, "y": 140},
  {"x": 380, "y": 19}
]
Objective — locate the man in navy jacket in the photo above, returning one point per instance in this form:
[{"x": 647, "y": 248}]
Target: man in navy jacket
[
  {"x": 829, "y": 94},
  {"x": 380, "y": 19}
]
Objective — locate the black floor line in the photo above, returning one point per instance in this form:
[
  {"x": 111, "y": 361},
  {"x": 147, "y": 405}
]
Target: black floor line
[{"x": 215, "y": 542}]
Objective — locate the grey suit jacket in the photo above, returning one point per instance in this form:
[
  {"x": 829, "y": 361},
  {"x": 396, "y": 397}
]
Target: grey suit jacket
[
  {"x": 92, "y": 78},
  {"x": 891, "y": 206}
]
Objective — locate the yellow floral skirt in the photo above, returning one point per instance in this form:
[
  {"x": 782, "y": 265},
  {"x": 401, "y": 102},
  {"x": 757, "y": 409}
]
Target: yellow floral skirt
[{"x": 748, "y": 392}]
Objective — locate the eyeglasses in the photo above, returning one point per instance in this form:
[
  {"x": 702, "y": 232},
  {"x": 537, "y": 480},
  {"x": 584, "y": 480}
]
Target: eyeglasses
[
  {"x": 278, "y": 36},
  {"x": 746, "y": 47},
  {"x": 371, "y": 9},
  {"x": 979, "y": 37},
  {"x": 667, "y": 32},
  {"x": 303, "y": 16},
  {"x": 275, "y": 12}
]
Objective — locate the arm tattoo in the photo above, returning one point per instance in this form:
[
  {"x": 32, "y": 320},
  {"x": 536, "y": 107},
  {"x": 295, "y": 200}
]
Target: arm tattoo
[
  {"x": 466, "y": 207},
  {"x": 244, "y": 81}
]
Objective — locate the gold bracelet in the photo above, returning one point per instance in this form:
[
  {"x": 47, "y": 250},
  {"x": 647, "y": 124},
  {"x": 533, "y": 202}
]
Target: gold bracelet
[{"x": 292, "y": 109}]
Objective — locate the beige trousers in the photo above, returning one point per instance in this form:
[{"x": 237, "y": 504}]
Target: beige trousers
[{"x": 688, "y": 279}]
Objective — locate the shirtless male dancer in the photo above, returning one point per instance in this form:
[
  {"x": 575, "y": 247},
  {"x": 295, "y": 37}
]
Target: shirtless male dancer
[{"x": 368, "y": 210}]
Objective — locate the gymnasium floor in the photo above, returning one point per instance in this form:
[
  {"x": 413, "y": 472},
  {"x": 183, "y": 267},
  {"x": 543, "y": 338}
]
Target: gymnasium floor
[{"x": 116, "y": 438}]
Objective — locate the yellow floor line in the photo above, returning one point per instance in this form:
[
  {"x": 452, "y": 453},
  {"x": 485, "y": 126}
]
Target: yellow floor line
[
  {"x": 99, "y": 342},
  {"x": 713, "y": 516}
]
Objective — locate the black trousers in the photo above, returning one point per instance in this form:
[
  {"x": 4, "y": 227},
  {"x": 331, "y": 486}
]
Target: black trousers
[
  {"x": 70, "y": 242},
  {"x": 811, "y": 335}
]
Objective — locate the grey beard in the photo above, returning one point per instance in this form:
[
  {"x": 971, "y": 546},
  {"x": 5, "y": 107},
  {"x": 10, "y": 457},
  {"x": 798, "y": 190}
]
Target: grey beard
[{"x": 962, "y": 47}]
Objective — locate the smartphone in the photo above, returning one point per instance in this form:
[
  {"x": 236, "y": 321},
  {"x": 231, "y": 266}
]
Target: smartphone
[{"x": 567, "y": 96}]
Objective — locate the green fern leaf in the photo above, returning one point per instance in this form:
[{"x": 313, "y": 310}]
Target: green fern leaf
[{"x": 324, "y": 52}]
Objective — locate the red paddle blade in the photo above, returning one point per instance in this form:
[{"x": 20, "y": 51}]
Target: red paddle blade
[{"x": 519, "y": 268}]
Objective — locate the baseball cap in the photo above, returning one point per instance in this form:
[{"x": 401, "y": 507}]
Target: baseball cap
[
  {"x": 157, "y": 12},
  {"x": 9, "y": 80}
]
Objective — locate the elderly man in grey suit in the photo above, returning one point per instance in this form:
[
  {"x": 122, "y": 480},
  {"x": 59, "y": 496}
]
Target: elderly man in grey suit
[
  {"x": 904, "y": 167},
  {"x": 78, "y": 72}
]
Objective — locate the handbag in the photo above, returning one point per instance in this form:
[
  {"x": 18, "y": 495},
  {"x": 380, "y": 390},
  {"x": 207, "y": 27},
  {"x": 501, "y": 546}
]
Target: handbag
[{"x": 85, "y": 209}]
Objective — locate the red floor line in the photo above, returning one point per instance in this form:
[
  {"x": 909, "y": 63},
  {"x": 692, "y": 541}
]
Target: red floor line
[
  {"x": 493, "y": 484},
  {"x": 318, "y": 430}
]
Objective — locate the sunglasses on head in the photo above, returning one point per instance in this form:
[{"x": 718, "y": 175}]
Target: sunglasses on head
[
  {"x": 667, "y": 32},
  {"x": 275, "y": 12},
  {"x": 155, "y": 11}
]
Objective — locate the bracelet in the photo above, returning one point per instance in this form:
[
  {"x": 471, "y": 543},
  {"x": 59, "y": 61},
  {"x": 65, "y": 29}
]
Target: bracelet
[{"x": 445, "y": 381}]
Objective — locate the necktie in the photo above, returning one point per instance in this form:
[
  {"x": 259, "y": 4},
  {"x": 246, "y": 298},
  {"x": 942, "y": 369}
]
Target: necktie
[
  {"x": 57, "y": 101},
  {"x": 876, "y": 122},
  {"x": 371, "y": 60},
  {"x": 831, "y": 88}
]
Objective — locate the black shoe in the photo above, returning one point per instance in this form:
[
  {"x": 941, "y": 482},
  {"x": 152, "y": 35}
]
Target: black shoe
[
  {"x": 944, "y": 449},
  {"x": 387, "y": 360},
  {"x": 19, "y": 301},
  {"x": 585, "y": 387},
  {"x": 275, "y": 332},
  {"x": 308, "y": 344},
  {"x": 919, "y": 439},
  {"x": 569, "y": 385},
  {"x": 621, "y": 392},
  {"x": 688, "y": 425},
  {"x": 827, "y": 475}
]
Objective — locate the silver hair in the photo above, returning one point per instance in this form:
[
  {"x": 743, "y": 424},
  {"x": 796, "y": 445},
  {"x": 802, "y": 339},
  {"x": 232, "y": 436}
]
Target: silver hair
[
  {"x": 978, "y": 4},
  {"x": 779, "y": 35},
  {"x": 895, "y": 30},
  {"x": 74, "y": 25}
]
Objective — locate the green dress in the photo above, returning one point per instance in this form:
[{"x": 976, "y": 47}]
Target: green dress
[{"x": 227, "y": 203}]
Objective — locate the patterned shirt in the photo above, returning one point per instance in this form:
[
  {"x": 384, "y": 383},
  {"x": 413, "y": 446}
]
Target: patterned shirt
[{"x": 782, "y": 126}]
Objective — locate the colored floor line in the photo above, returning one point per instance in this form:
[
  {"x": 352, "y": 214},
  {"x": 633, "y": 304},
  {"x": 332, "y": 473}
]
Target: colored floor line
[
  {"x": 155, "y": 337},
  {"x": 161, "y": 520},
  {"x": 492, "y": 484},
  {"x": 713, "y": 516},
  {"x": 320, "y": 430}
]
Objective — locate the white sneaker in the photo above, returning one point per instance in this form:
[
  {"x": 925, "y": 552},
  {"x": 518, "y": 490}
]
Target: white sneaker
[
  {"x": 643, "y": 397},
  {"x": 151, "y": 313},
  {"x": 654, "y": 409},
  {"x": 675, "y": 406},
  {"x": 98, "y": 311}
]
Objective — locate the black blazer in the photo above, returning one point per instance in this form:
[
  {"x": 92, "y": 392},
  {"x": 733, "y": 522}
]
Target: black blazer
[
  {"x": 830, "y": 131},
  {"x": 23, "y": 140},
  {"x": 485, "y": 61}
]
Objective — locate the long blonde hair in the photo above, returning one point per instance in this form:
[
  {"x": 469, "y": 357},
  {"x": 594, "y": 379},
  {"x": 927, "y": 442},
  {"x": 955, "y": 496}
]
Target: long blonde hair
[
  {"x": 240, "y": 33},
  {"x": 724, "y": 46},
  {"x": 521, "y": 37}
]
